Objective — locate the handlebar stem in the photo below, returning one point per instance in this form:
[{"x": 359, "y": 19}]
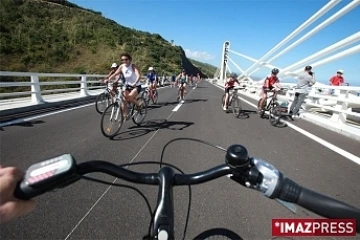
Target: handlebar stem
[{"x": 164, "y": 215}]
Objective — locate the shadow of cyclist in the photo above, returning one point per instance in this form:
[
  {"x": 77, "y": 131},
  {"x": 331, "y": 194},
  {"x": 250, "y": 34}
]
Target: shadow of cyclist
[
  {"x": 244, "y": 114},
  {"x": 151, "y": 126},
  {"x": 23, "y": 124},
  {"x": 187, "y": 101}
]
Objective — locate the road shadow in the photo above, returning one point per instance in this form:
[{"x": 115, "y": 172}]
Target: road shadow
[
  {"x": 186, "y": 101},
  {"x": 244, "y": 114},
  {"x": 152, "y": 107},
  {"x": 279, "y": 124},
  {"x": 45, "y": 109},
  {"x": 151, "y": 126},
  {"x": 23, "y": 124},
  {"x": 201, "y": 87}
]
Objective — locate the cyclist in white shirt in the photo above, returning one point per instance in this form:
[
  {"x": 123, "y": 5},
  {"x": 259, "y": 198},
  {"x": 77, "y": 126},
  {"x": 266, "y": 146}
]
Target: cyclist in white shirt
[{"x": 132, "y": 80}]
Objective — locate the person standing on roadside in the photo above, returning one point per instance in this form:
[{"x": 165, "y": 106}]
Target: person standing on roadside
[
  {"x": 336, "y": 80},
  {"x": 303, "y": 82}
]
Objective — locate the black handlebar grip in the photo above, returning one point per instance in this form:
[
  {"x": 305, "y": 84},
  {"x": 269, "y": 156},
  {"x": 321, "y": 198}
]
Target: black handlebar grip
[
  {"x": 328, "y": 207},
  {"x": 25, "y": 192},
  {"x": 21, "y": 192},
  {"x": 322, "y": 205}
]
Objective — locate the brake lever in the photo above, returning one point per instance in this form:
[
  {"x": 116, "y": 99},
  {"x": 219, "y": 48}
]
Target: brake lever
[{"x": 290, "y": 206}]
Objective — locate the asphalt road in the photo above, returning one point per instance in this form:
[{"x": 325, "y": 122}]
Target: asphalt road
[{"x": 87, "y": 210}]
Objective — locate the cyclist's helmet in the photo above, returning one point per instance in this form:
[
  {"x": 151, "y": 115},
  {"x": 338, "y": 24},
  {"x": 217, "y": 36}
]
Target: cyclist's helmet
[
  {"x": 114, "y": 65},
  {"x": 233, "y": 75},
  {"x": 275, "y": 71},
  {"x": 151, "y": 69}
]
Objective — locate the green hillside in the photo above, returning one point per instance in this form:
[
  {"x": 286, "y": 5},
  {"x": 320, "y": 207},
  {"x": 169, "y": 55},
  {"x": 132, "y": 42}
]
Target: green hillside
[
  {"x": 206, "y": 68},
  {"x": 59, "y": 36}
]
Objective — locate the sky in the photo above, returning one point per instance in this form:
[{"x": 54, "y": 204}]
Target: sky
[{"x": 253, "y": 28}]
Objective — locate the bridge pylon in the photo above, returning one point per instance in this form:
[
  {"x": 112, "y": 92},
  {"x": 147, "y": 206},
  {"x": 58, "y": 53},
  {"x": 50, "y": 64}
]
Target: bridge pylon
[{"x": 224, "y": 61}]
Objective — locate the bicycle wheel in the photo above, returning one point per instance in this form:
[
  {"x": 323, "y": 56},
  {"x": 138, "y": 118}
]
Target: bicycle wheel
[
  {"x": 236, "y": 106},
  {"x": 102, "y": 102},
  {"x": 223, "y": 100},
  {"x": 145, "y": 96},
  {"x": 261, "y": 112},
  {"x": 138, "y": 116},
  {"x": 274, "y": 114},
  {"x": 113, "y": 113},
  {"x": 155, "y": 97},
  {"x": 218, "y": 233}
]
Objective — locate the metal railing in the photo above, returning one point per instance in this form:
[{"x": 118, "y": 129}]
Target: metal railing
[
  {"x": 339, "y": 103},
  {"x": 84, "y": 83}
]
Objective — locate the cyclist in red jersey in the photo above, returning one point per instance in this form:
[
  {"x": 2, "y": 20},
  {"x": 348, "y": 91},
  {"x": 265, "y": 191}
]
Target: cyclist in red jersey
[
  {"x": 271, "y": 82},
  {"x": 229, "y": 84}
]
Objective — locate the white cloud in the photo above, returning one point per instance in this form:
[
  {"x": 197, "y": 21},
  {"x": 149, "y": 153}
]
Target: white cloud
[{"x": 198, "y": 55}]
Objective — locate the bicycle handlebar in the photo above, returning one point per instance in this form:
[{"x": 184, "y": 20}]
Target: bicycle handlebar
[
  {"x": 251, "y": 172},
  {"x": 274, "y": 90}
]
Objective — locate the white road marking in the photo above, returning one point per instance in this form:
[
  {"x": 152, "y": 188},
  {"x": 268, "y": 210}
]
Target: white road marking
[
  {"x": 317, "y": 139},
  {"x": 178, "y": 106}
]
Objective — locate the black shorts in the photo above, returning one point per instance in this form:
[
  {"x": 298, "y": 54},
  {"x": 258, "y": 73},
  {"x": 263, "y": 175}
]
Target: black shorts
[
  {"x": 227, "y": 90},
  {"x": 270, "y": 88},
  {"x": 130, "y": 88}
]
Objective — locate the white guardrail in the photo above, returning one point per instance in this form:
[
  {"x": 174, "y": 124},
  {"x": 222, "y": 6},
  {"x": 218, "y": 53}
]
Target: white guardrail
[
  {"x": 339, "y": 103},
  {"x": 85, "y": 82}
]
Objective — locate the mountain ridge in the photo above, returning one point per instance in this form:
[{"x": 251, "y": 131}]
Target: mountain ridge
[{"x": 78, "y": 40}]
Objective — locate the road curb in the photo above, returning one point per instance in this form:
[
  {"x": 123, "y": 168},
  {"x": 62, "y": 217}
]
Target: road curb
[{"x": 13, "y": 111}]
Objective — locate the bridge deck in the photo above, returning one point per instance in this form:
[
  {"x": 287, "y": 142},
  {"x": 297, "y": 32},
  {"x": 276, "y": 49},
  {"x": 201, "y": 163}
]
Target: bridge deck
[{"x": 88, "y": 210}]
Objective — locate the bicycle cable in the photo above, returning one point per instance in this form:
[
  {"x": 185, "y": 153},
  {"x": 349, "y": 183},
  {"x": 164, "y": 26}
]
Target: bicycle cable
[{"x": 152, "y": 213}]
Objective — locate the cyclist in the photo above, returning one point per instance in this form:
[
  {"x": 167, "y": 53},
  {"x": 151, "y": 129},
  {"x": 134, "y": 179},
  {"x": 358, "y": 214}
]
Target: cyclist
[
  {"x": 152, "y": 77},
  {"x": 182, "y": 81},
  {"x": 271, "y": 82},
  {"x": 114, "y": 67},
  {"x": 11, "y": 207},
  {"x": 132, "y": 81},
  {"x": 229, "y": 84}
]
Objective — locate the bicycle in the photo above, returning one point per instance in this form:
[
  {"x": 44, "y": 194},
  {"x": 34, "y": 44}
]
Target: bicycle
[
  {"x": 150, "y": 93},
  {"x": 273, "y": 107},
  {"x": 116, "y": 114},
  {"x": 182, "y": 90},
  {"x": 105, "y": 97},
  {"x": 234, "y": 101},
  {"x": 250, "y": 172}
]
